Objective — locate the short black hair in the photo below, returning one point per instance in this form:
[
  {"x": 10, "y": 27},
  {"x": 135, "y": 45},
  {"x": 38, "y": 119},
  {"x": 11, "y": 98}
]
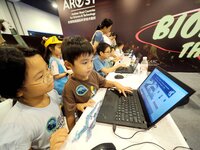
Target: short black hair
[
  {"x": 74, "y": 46},
  {"x": 13, "y": 68},
  {"x": 105, "y": 23},
  {"x": 120, "y": 43},
  {"x": 102, "y": 47}
]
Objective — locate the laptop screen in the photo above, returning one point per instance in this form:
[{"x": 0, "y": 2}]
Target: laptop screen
[{"x": 160, "y": 93}]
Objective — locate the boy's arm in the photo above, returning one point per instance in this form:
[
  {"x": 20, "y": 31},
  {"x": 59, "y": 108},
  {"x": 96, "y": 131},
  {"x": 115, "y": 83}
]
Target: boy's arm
[
  {"x": 61, "y": 75},
  {"x": 112, "y": 69},
  {"x": 120, "y": 88},
  {"x": 70, "y": 121},
  {"x": 81, "y": 106}
]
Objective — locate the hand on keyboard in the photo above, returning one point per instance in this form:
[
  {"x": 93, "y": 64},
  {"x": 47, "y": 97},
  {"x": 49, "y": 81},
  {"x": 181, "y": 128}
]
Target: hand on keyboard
[
  {"x": 121, "y": 66},
  {"x": 122, "y": 89}
]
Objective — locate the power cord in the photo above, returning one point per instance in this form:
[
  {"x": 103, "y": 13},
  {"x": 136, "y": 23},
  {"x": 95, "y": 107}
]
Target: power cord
[
  {"x": 183, "y": 147},
  {"x": 114, "y": 129},
  {"x": 143, "y": 143}
]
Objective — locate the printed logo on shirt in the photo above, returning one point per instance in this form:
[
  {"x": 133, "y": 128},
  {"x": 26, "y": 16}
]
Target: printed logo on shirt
[
  {"x": 93, "y": 91},
  {"x": 81, "y": 90},
  {"x": 51, "y": 125}
]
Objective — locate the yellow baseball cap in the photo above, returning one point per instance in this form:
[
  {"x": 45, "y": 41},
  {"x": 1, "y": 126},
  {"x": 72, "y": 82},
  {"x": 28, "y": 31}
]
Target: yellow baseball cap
[{"x": 52, "y": 40}]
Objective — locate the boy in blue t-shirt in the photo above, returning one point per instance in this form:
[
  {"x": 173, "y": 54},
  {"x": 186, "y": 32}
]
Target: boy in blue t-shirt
[{"x": 100, "y": 63}]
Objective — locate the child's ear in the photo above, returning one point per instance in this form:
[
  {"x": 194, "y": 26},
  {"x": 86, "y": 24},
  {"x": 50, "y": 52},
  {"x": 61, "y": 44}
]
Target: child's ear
[
  {"x": 50, "y": 48},
  {"x": 20, "y": 93},
  {"x": 101, "y": 53}
]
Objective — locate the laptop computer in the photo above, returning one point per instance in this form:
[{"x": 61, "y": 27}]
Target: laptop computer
[
  {"x": 130, "y": 69},
  {"x": 158, "y": 95}
]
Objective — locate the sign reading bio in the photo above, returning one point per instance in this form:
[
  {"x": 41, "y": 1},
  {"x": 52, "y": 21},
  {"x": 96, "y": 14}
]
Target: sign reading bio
[{"x": 188, "y": 28}]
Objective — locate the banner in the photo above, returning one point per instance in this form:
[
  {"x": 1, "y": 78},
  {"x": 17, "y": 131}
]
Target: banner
[{"x": 167, "y": 32}]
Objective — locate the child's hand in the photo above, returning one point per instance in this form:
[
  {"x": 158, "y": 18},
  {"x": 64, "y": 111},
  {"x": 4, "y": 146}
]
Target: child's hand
[
  {"x": 82, "y": 106},
  {"x": 122, "y": 65},
  {"x": 123, "y": 89},
  {"x": 58, "y": 138}
]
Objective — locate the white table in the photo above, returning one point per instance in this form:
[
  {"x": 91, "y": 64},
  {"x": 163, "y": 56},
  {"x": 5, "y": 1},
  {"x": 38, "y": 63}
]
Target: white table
[{"x": 165, "y": 132}]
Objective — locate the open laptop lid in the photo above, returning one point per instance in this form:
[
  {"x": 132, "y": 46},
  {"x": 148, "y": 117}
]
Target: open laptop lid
[{"x": 160, "y": 93}]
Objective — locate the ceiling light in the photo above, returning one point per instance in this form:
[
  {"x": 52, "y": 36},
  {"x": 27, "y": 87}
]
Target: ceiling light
[{"x": 54, "y": 5}]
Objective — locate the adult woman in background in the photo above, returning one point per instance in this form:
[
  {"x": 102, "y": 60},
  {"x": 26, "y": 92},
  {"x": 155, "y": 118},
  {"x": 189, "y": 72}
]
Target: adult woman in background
[{"x": 103, "y": 28}]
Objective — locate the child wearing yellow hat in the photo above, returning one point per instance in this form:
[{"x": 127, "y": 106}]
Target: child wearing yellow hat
[{"x": 53, "y": 57}]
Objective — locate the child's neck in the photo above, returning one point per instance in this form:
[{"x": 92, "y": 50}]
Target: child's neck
[
  {"x": 55, "y": 56},
  {"x": 38, "y": 102},
  {"x": 79, "y": 77},
  {"x": 101, "y": 57}
]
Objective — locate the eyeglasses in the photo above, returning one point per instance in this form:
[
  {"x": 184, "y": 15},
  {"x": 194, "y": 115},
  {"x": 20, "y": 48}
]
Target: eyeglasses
[{"x": 47, "y": 77}]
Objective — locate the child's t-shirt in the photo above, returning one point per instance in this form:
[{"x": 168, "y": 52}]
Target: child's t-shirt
[
  {"x": 78, "y": 91},
  {"x": 26, "y": 127},
  {"x": 99, "y": 65}
]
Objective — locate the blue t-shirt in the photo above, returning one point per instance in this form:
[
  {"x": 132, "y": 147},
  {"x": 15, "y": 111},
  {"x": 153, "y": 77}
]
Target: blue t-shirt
[
  {"x": 59, "y": 83},
  {"x": 99, "y": 65},
  {"x": 98, "y": 37}
]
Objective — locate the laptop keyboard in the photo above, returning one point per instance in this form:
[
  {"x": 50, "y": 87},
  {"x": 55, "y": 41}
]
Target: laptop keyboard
[
  {"x": 122, "y": 68},
  {"x": 128, "y": 109}
]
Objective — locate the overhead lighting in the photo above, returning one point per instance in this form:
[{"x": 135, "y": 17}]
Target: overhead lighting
[{"x": 54, "y": 5}]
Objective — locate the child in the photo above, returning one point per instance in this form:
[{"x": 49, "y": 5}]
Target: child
[
  {"x": 84, "y": 82},
  {"x": 119, "y": 50},
  {"x": 31, "y": 121},
  {"x": 100, "y": 63},
  {"x": 53, "y": 57}
]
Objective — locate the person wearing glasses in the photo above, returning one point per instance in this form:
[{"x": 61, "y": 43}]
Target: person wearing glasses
[
  {"x": 30, "y": 123},
  {"x": 101, "y": 64}
]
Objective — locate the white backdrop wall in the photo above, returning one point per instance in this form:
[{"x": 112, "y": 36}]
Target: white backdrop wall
[{"x": 30, "y": 18}]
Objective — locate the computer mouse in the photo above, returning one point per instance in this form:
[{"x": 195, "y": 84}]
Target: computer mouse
[
  {"x": 105, "y": 146},
  {"x": 118, "y": 76}
]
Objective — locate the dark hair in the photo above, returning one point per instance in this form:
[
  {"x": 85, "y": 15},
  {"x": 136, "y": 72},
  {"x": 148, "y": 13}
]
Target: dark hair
[
  {"x": 98, "y": 27},
  {"x": 47, "y": 53},
  {"x": 114, "y": 34},
  {"x": 102, "y": 47},
  {"x": 105, "y": 23},
  {"x": 120, "y": 43},
  {"x": 74, "y": 46},
  {"x": 13, "y": 68}
]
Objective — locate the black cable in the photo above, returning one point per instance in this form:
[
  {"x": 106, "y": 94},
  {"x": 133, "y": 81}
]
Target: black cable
[
  {"x": 114, "y": 129},
  {"x": 183, "y": 147},
  {"x": 144, "y": 143}
]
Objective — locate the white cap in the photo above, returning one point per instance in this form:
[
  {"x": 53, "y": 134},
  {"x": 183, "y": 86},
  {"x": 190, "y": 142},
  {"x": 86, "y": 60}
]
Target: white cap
[{"x": 144, "y": 58}]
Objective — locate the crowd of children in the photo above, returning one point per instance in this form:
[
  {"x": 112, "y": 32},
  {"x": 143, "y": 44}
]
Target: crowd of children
[{"x": 36, "y": 120}]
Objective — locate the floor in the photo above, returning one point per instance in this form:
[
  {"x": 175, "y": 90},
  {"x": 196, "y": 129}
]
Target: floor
[{"x": 187, "y": 117}]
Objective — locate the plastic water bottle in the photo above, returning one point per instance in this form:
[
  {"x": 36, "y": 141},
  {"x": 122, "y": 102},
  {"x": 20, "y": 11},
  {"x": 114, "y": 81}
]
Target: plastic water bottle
[
  {"x": 133, "y": 60},
  {"x": 144, "y": 66}
]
